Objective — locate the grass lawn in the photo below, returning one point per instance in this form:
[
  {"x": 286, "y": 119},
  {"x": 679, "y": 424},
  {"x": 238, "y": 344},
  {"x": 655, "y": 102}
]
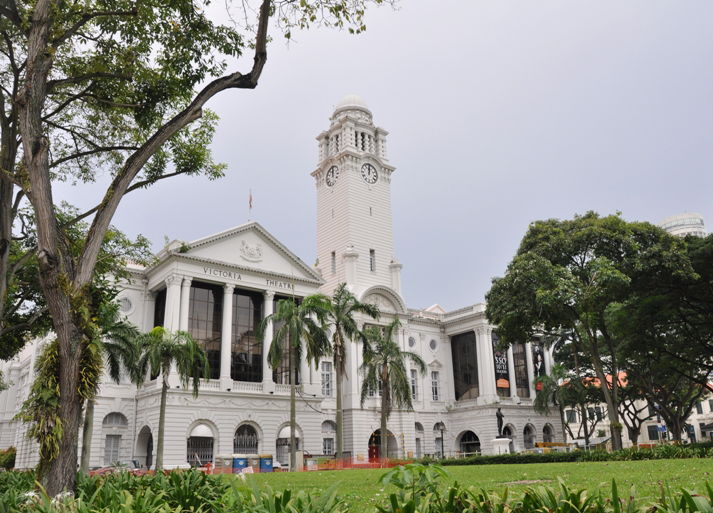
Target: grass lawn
[{"x": 361, "y": 487}]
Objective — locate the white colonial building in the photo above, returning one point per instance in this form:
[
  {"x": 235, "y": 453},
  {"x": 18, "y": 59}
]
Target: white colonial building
[{"x": 220, "y": 287}]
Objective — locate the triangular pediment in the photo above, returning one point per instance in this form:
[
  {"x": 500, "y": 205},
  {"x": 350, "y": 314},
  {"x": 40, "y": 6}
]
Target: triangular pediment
[{"x": 250, "y": 246}]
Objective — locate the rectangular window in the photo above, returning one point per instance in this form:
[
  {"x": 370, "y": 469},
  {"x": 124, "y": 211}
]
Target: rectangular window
[
  {"x": 571, "y": 416},
  {"x": 245, "y": 346},
  {"x": 414, "y": 384},
  {"x": 372, "y": 260},
  {"x": 520, "y": 363},
  {"x": 699, "y": 407},
  {"x": 375, "y": 393},
  {"x": 327, "y": 379},
  {"x": 418, "y": 448},
  {"x": 205, "y": 318},
  {"x": 334, "y": 262},
  {"x": 327, "y": 446},
  {"x": 111, "y": 449},
  {"x": 653, "y": 432},
  {"x": 465, "y": 366},
  {"x": 710, "y": 405},
  {"x": 435, "y": 386}
]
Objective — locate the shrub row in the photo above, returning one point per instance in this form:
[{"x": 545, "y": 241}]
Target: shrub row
[{"x": 656, "y": 453}]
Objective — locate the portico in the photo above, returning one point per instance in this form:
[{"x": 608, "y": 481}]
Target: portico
[{"x": 223, "y": 305}]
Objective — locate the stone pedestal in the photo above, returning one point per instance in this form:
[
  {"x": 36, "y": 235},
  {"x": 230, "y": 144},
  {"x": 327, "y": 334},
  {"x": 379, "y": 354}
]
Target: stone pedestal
[{"x": 501, "y": 446}]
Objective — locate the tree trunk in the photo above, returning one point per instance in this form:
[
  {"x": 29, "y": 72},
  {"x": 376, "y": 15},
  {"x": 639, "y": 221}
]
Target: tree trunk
[
  {"x": 612, "y": 407},
  {"x": 293, "y": 407},
  {"x": 161, "y": 424},
  {"x": 87, "y": 429},
  {"x": 385, "y": 407},
  {"x": 585, "y": 426},
  {"x": 340, "y": 413}
]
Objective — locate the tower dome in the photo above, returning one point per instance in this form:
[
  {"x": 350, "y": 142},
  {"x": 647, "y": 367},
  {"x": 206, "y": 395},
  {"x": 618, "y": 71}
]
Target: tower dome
[{"x": 351, "y": 102}]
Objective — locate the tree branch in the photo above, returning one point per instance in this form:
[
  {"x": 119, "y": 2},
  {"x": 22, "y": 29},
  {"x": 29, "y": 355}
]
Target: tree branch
[
  {"x": 135, "y": 162},
  {"x": 9, "y": 10},
  {"x": 98, "y": 149},
  {"x": 86, "y": 18},
  {"x": 53, "y": 84}
]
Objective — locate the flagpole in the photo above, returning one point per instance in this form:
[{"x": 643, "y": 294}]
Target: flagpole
[{"x": 250, "y": 204}]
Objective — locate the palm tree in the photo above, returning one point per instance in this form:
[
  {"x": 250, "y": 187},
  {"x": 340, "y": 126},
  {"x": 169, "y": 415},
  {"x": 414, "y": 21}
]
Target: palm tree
[
  {"x": 384, "y": 368},
  {"x": 303, "y": 321},
  {"x": 121, "y": 350},
  {"x": 160, "y": 351},
  {"x": 341, "y": 319}
]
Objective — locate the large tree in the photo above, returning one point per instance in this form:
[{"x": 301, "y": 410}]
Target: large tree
[
  {"x": 120, "y": 87},
  {"x": 568, "y": 275},
  {"x": 384, "y": 369},
  {"x": 344, "y": 306},
  {"x": 301, "y": 333}
]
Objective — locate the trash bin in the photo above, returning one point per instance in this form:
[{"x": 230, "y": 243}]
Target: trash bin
[
  {"x": 240, "y": 461},
  {"x": 254, "y": 462},
  {"x": 266, "y": 463}
]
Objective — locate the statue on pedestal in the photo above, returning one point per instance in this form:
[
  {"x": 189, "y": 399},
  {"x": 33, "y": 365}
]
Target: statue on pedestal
[{"x": 500, "y": 416}]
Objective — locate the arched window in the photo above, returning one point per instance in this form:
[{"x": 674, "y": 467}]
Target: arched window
[
  {"x": 469, "y": 443},
  {"x": 115, "y": 419},
  {"x": 528, "y": 435},
  {"x": 419, "y": 439},
  {"x": 548, "y": 434},
  {"x": 114, "y": 425},
  {"x": 200, "y": 446},
  {"x": 439, "y": 430},
  {"x": 245, "y": 440},
  {"x": 329, "y": 433}
]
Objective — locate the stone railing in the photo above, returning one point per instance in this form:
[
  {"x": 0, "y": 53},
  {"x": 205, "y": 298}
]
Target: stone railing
[
  {"x": 285, "y": 389},
  {"x": 246, "y": 386},
  {"x": 210, "y": 384}
]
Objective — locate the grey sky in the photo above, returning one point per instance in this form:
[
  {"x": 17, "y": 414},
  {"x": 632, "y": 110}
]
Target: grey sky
[{"x": 499, "y": 113}]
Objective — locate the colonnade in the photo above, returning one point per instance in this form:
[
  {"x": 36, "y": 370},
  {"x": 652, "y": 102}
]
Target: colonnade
[{"x": 178, "y": 293}]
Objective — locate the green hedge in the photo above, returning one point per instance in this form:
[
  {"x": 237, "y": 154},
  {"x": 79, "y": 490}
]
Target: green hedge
[
  {"x": 7, "y": 458},
  {"x": 656, "y": 453}
]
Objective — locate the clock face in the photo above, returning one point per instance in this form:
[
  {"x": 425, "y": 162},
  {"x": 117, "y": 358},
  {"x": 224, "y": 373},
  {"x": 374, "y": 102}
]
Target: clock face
[
  {"x": 332, "y": 175},
  {"x": 368, "y": 172}
]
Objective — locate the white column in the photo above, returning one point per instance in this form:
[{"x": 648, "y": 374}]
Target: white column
[
  {"x": 530, "y": 369},
  {"x": 305, "y": 377},
  {"x": 511, "y": 373},
  {"x": 549, "y": 360},
  {"x": 185, "y": 303},
  {"x": 173, "y": 303},
  {"x": 488, "y": 365},
  {"x": 267, "y": 309},
  {"x": 479, "y": 356},
  {"x": 226, "y": 337},
  {"x": 171, "y": 318},
  {"x": 350, "y": 265}
]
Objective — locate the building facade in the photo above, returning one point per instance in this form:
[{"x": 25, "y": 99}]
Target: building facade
[
  {"x": 685, "y": 224},
  {"x": 219, "y": 288}
]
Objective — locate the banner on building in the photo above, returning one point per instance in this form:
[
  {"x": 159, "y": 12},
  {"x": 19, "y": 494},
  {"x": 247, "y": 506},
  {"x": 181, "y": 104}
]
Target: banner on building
[{"x": 500, "y": 360}]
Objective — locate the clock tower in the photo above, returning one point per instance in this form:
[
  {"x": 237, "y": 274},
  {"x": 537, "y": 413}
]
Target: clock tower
[{"x": 353, "y": 180}]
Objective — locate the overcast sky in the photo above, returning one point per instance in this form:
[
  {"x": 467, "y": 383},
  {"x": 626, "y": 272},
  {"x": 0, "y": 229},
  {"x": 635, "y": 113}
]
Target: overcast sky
[{"x": 499, "y": 113}]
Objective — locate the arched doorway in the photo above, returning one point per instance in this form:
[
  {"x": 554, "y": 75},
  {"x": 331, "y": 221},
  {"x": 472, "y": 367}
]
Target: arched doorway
[
  {"x": 282, "y": 444},
  {"x": 245, "y": 440},
  {"x": 528, "y": 436},
  {"x": 419, "y": 439},
  {"x": 392, "y": 448},
  {"x": 199, "y": 446},
  {"x": 469, "y": 443},
  {"x": 439, "y": 431},
  {"x": 548, "y": 434},
  {"x": 144, "y": 447}
]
